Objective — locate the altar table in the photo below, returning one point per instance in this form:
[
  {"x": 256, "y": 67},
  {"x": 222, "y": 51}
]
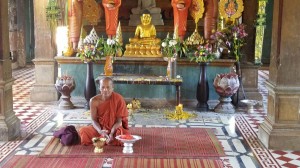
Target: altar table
[{"x": 146, "y": 80}]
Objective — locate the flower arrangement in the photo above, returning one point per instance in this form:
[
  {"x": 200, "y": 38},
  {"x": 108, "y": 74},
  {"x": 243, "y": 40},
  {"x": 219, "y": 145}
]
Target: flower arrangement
[
  {"x": 204, "y": 53},
  {"x": 88, "y": 53},
  {"x": 109, "y": 47},
  {"x": 231, "y": 38},
  {"x": 103, "y": 47},
  {"x": 171, "y": 47}
]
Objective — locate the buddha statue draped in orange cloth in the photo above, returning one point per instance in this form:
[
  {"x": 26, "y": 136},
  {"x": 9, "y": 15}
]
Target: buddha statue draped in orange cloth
[
  {"x": 111, "y": 8},
  {"x": 75, "y": 21},
  {"x": 180, "y": 10}
]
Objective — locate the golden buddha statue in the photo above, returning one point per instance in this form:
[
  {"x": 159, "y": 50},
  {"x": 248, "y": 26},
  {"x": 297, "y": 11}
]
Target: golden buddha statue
[{"x": 144, "y": 43}]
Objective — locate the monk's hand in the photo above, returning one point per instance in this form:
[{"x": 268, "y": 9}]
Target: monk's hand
[
  {"x": 111, "y": 136},
  {"x": 104, "y": 133}
]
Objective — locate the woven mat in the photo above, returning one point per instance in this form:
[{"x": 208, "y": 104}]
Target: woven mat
[
  {"x": 20, "y": 161},
  {"x": 155, "y": 142},
  {"x": 166, "y": 163}
]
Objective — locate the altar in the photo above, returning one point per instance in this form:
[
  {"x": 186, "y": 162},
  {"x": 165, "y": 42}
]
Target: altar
[
  {"x": 149, "y": 46},
  {"x": 188, "y": 71}
]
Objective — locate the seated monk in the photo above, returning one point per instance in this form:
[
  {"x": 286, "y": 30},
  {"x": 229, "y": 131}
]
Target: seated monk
[
  {"x": 145, "y": 33},
  {"x": 149, "y": 5},
  {"x": 109, "y": 116}
]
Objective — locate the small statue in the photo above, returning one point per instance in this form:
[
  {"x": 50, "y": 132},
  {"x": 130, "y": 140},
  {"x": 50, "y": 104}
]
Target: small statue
[
  {"x": 145, "y": 33},
  {"x": 144, "y": 42},
  {"x": 149, "y": 5},
  {"x": 99, "y": 143}
]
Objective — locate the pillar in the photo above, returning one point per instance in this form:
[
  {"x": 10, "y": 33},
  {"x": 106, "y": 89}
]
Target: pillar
[
  {"x": 281, "y": 128},
  {"x": 9, "y": 123},
  {"x": 249, "y": 70},
  {"x": 17, "y": 33},
  {"x": 45, "y": 65}
]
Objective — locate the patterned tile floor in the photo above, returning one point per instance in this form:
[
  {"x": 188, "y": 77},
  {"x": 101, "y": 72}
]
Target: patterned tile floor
[{"x": 237, "y": 132}]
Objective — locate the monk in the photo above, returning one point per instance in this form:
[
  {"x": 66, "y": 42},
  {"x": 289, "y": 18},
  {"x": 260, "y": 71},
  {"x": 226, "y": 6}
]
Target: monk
[
  {"x": 111, "y": 8},
  {"x": 180, "y": 10},
  {"x": 109, "y": 115}
]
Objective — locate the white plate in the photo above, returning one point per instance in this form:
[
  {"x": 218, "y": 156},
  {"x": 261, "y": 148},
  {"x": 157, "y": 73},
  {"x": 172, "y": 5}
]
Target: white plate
[{"x": 135, "y": 138}]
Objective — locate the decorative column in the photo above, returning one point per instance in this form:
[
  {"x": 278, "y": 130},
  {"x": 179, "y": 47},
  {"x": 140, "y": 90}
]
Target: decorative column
[
  {"x": 260, "y": 30},
  {"x": 45, "y": 65},
  {"x": 9, "y": 123},
  {"x": 17, "y": 32},
  {"x": 281, "y": 128}
]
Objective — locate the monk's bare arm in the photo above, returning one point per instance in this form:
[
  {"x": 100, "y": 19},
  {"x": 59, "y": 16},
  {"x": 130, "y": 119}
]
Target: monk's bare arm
[
  {"x": 117, "y": 124},
  {"x": 93, "y": 107}
]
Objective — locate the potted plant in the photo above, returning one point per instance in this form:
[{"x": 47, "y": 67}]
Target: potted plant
[
  {"x": 231, "y": 40},
  {"x": 203, "y": 55},
  {"x": 89, "y": 53},
  {"x": 108, "y": 48}
]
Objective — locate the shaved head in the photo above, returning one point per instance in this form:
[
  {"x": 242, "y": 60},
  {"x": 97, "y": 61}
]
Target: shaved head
[
  {"x": 106, "y": 87},
  {"x": 108, "y": 79}
]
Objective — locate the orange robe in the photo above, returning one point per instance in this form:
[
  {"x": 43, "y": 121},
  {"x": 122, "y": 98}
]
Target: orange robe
[
  {"x": 111, "y": 16},
  {"x": 75, "y": 21},
  {"x": 108, "y": 112},
  {"x": 210, "y": 19},
  {"x": 180, "y": 16}
]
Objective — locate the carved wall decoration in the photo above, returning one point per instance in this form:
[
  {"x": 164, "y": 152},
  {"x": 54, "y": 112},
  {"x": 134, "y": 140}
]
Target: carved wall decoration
[
  {"x": 91, "y": 11},
  {"x": 231, "y": 9}
]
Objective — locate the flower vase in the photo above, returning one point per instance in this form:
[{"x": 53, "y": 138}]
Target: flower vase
[
  {"x": 108, "y": 67},
  {"x": 90, "y": 86},
  {"x": 171, "y": 68},
  {"x": 65, "y": 87},
  {"x": 202, "y": 88},
  {"x": 226, "y": 85}
]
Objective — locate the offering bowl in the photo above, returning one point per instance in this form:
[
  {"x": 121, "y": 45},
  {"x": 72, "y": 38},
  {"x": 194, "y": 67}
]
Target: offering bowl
[{"x": 128, "y": 143}]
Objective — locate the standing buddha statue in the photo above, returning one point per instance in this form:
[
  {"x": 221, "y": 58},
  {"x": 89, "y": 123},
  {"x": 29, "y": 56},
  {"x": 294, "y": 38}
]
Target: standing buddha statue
[
  {"x": 180, "y": 9},
  {"x": 111, "y": 8},
  {"x": 75, "y": 21}
]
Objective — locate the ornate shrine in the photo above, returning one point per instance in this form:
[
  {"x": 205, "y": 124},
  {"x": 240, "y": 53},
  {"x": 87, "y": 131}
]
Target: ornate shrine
[{"x": 142, "y": 54}]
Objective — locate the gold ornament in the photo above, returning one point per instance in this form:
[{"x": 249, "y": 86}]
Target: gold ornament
[
  {"x": 197, "y": 10},
  {"x": 119, "y": 37},
  {"x": 194, "y": 39},
  {"x": 260, "y": 30},
  {"x": 91, "y": 11},
  {"x": 179, "y": 114},
  {"x": 231, "y": 10}
]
